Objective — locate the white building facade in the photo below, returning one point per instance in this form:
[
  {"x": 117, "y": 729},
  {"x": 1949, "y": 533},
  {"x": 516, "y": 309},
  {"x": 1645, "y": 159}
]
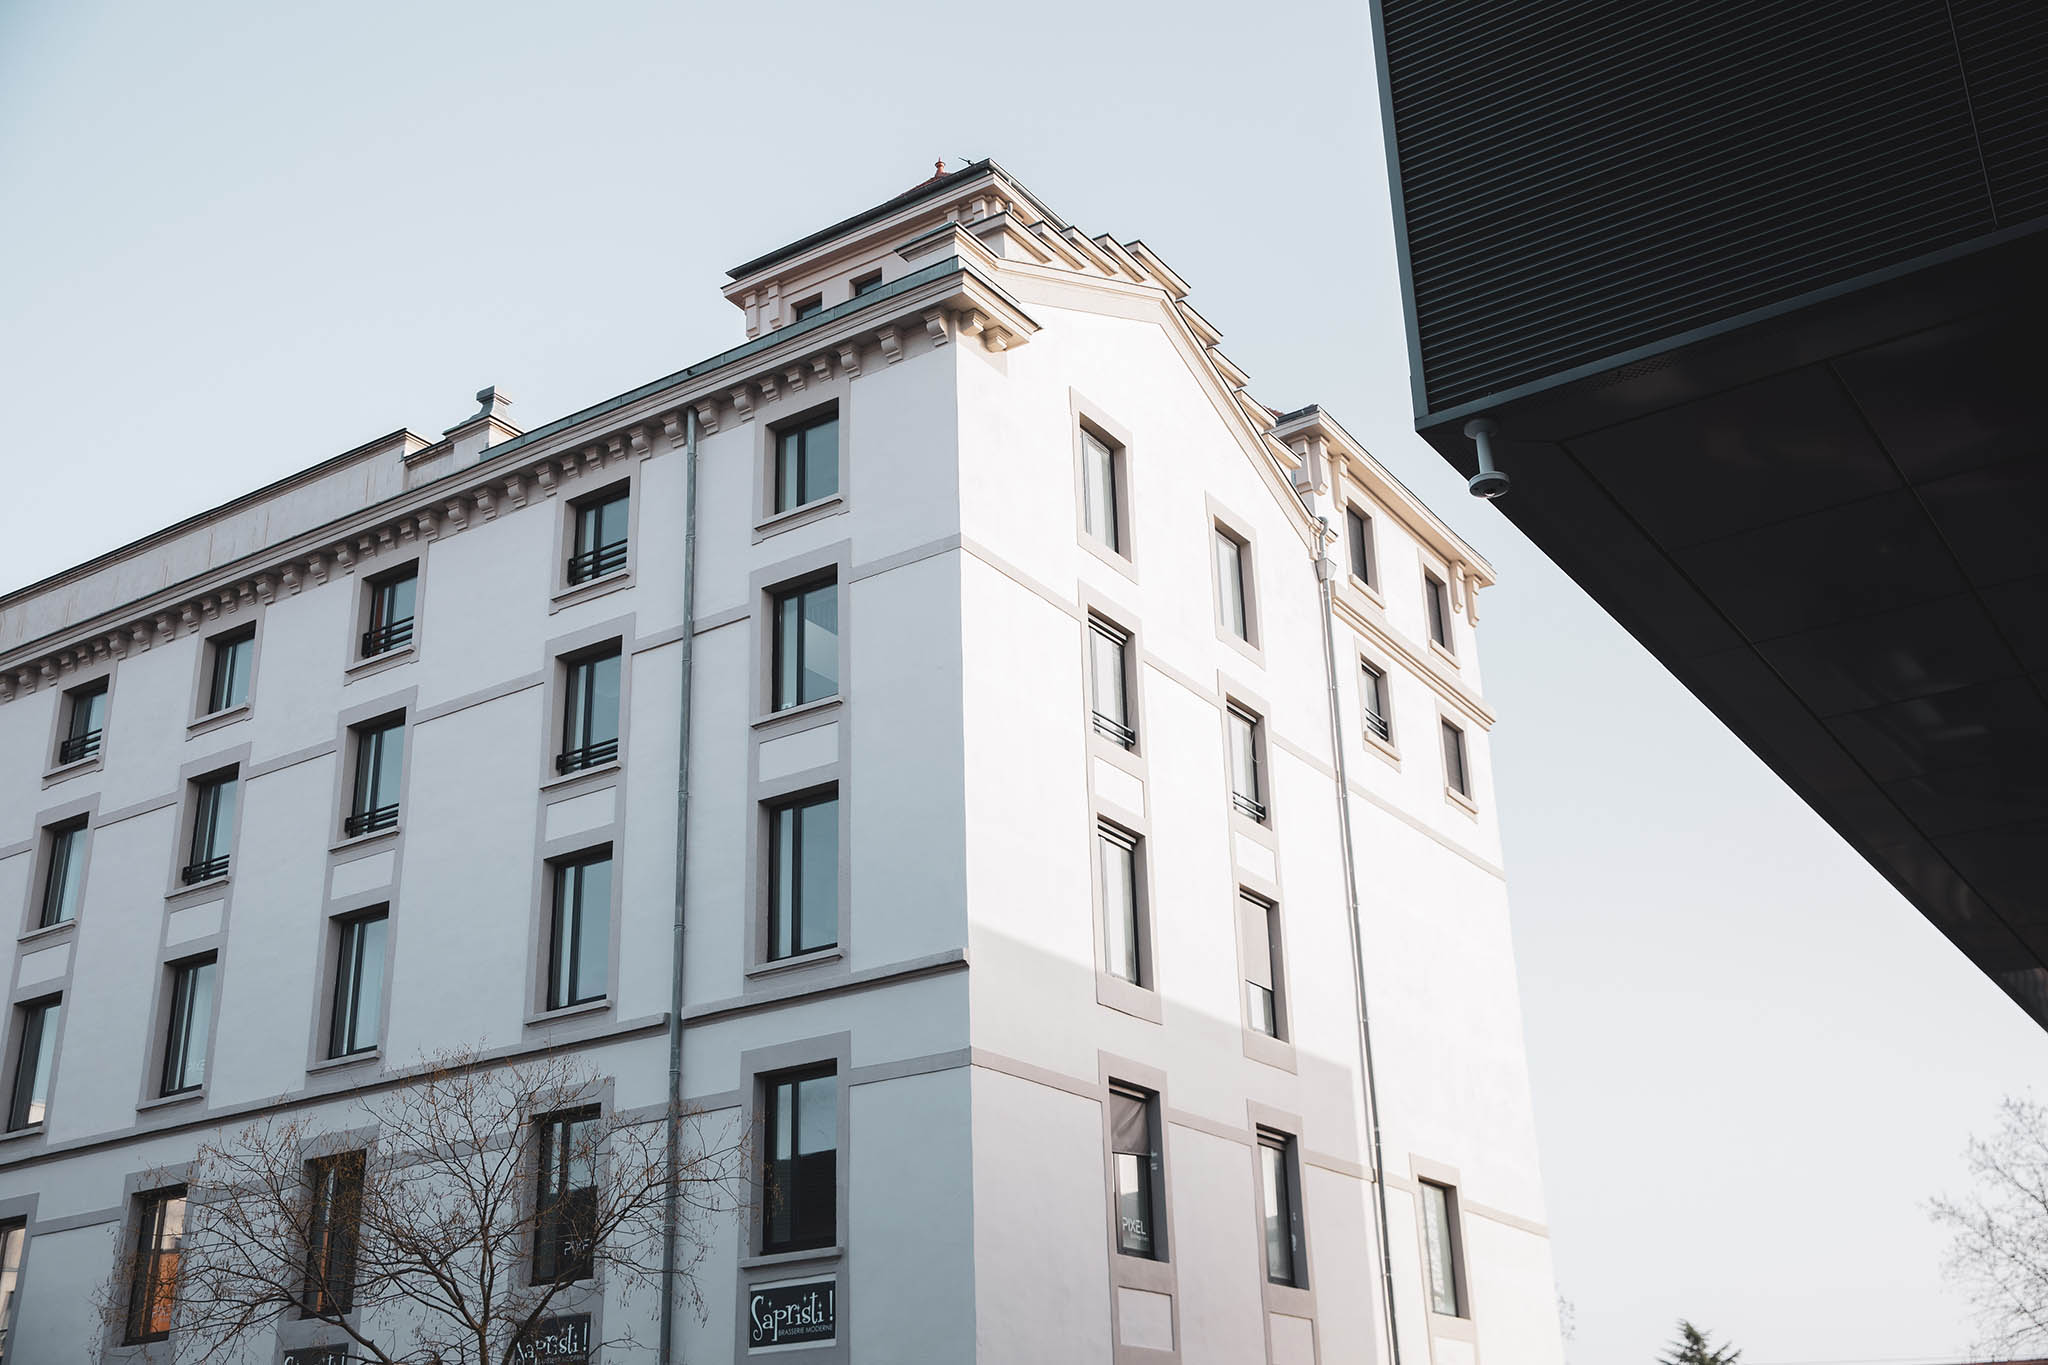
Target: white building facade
[{"x": 1022, "y": 685}]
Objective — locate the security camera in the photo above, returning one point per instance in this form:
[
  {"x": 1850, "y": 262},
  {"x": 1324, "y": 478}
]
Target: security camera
[{"x": 1488, "y": 482}]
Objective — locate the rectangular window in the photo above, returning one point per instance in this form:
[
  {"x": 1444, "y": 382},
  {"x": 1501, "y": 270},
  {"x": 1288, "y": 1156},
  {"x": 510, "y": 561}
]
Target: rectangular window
[
  {"x": 590, "y": 712},
  {"x": 1247, "y": 782},
  {"x": 1116, "y": 854},
  {"x": 84, "y": 722},
  {"x": 1280, "y": 1203},
  {"x": 213, "y": 827},
  {"x": 64, "y": 874},
  {"x": 358, "y": 984},
  {"x": 806, "y": 645},
  {"x": 153, "y": 1281},
  {"x": 380, "y": 759},
  {"x": 1101, "y": 491},
  {"x": 35, "y": 1056},
  {"x": 807, "y": 461},
  {"x": 600, "y": 539},
  {"x": 1456, "y": 776},
  {"x": 390, "y": 617},
  {"x": 1258, "y": 944},
  {"x": 191, "y": 1024},
  {"x": 867, "y": 284},
  {"x": 800, "y": 1166},
  {"x": 1439, "y": 1212},
  {"x": 803, "y": 876},
  {"x": 1438, "y": 599},
  {"x": 565, "y": 1207},
  {"x": 13, "y": 1242},
  {"x": 1230, "y": 585},
  {"x": 1138, "y": 1172},
  {"x": 1109, "y": 682},
  {"x": 809, "y": 308},
  {"x": 333, "y": 1226},
  {"x": 580, "y": 945},
  {"x": 233, "y": 658},
  {"x": 1372, "y": 686},
  {"x": 1358, "y": 538}
]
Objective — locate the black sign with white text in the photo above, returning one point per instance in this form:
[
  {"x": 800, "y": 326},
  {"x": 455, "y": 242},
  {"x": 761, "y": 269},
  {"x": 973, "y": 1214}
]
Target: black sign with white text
[
  {"x": 789, "y": 1314},
  {"x": 556, "y": 1341}
]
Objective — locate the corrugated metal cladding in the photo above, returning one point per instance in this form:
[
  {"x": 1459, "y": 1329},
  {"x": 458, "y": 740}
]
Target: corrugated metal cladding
[{"x": 1585, "y": 176}]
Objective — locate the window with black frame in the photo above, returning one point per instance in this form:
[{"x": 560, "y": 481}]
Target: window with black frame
[
  {"x": 213, "y": 827},
  {"x": 1358, "y": 539},
  {"x": 1109, "y": 682},
  {"x": 153, "y": 1276},
  {"x": 1102, "y": 491},
  {"x": 234, "y": 658},
  {"x": 333, "y": 1231},
  {"x": 85, "y": 721},
  {"x": 358, "y": 984},
  {"x": 1137, "y": 1171},
  {"x": 800, "y": 1160},
  {"x": 35, "y": 1057},
  {"x": 565, "y": 1200},
  {"x": 803, "y": 875},
  {"x": 380, "y": 758},
  {"x": 1280, "y": 1208},
  {"x": 1232, "y": 596},
  {"x": 13, "y": 1242},
  {"x": 599, "y": 542},
  {"x": 807, "y": 460},
  {"x": 1258, "y": 946},
  {"x": 388, "y": 623},
  {"x": 580, "y": 937},
  {"x": 1247, "y": 780},
  {"x": 189, "y": 1027},
  {"x": 805, "y": 662},
  {"x": 1437, "y": 598},
  {"x": 590, "y": 711},
  {"x": 1116, "y": 854},
  {"x": 1440, "y": 1247},
  {"x": 1457, "y": 776},
  {"x": 1372, "y": 686},
  {"x": 63, "y": 874}
]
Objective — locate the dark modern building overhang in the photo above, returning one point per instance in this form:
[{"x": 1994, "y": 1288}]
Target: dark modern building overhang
[{"x": 1756, "y": 295}]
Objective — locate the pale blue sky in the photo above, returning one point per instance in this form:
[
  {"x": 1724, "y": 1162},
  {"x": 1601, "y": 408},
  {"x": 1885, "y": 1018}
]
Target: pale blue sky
[{"x": 238, "y": 239}]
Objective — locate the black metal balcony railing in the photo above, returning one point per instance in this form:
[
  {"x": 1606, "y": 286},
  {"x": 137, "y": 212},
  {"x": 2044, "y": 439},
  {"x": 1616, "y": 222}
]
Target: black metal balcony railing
[
  {"x": 589, "y": 756},
  {"x": 1250, "y": 806},
  {"x": 76, "y": 747},
  {"x": 598, "y": 562},
  {"x": 371, "y": 820},
  {"x": 384, "y": 639},
  {"x": 1112, "y": 728},
  {"x": 1377, "y": 723},
  {"x": 206, "y": 869}
]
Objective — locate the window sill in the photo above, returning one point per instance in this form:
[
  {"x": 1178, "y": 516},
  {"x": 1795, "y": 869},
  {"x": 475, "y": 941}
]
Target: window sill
[
  {"x": 47, "y": 933},
  {"x": 34, "y": 1130},
  {"x": 1116, "y": 559},
  {"x": 1365, "y": 586},
  {"x": 1258, "y": 831},
  {"x": 375, "y": 1054},
  {"x": 64, "y": 772},
  {"x": 215, "y": 720},
  {"x": 195, "y": 891},
  {"x": 1453, "y": 1325},
  {"x": 1127, "y": 997},
  {"x": 797, "y": 963},
  {"x": 572, "y": 594},
  {"x": 1131, "y": 760},
  {"x": 1250, "y": 649},
  {"x": 1462, "y": 802},
  {"x": 172, "y": 1101},
  {"x": 1383, "y": 748},
  {"x": 803, "y": 515},
  {"x": 542, "y": 1018},
  {"x": 1443, "y": 654},
  {"x": 770, "y": 1259},
  {"x": 800, "y": 711},
  {"x": 595, "y": 770},
  {"x": 1266, "y": 1049},
  {"x": 352, "y": 842},
  {"x": 377, "y": 663}
]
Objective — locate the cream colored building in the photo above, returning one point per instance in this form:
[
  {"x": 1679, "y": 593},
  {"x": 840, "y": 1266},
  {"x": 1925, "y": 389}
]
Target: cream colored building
[{"x": 1026, "y": 651}]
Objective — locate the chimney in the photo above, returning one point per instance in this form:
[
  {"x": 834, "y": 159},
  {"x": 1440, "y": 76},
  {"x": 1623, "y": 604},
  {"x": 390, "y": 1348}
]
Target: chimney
[{"x": 472, "y": 436}]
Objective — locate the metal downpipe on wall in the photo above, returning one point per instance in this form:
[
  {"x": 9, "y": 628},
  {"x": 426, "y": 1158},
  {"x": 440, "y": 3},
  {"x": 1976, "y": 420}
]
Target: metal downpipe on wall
[
  {"x": 671, "y": 1203},
  {"x": 1326, "y": 570}
]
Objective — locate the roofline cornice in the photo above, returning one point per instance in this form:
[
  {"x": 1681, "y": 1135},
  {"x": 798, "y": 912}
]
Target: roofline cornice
[{"x": 1396, "y": 646}]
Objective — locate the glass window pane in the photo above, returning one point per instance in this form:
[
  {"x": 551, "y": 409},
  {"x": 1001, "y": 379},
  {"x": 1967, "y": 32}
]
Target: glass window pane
[
  {"x": 1107, "y": 677},
  {"x": 1279, "y": 1210},
  {"x": 66, "y": 876},
  {"x": 36, "y": 1055},
  {"x": 611, "y": 520},
  {"x": 1244, "y": 758},
  {"x": 821, "y": 460},
  {"x": 604, "y": 699},
  {"x": 1133, "y": 1206},
  {"x": 593, "y": 929},
  {"x": 783, "y": 882},
  {"x": 1099, "y": 491},
  {"x": 1454, "y": 760},
  {"x": 818, "y": 873},
  {"x": 1117, "y": 869},
  {"x": 1357, "y": 530},
  {"x": 821, "y": 642},
  {"x": 1436, "y": 1227},
  {"x": 1230, "y": 584}
]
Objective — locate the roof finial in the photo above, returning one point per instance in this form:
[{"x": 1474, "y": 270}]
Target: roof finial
[{"x": 938, "y": 168}]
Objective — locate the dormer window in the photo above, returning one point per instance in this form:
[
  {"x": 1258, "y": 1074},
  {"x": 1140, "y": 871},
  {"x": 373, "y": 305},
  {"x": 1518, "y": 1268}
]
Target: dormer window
[{"x": 809, "y": 308}]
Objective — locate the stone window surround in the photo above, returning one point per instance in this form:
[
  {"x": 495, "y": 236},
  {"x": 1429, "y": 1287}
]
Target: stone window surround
[
  {"x": 56, "y": 988},
  {"x": 793, "y": 403},
  {"x": 1292, "y": 1300},
  {"x": 349, "y": 723},
  {"x": 1085, "y": 416},
  {"x": 601, "y": 1094},
  {"x": 34, "y": 933},
  {"x": 1467, "y": 801},
  {"x": 766, "y": 797},
  {"x": 1277, "y": 1049},
  {"x": 295, "y": 1333},
  {"x": 1224, "y": 521},
  {"x": 1127, "y": 997},
  {"x": 1160, "y": 1276},
  {"x": 370, "y": 574},
  {"x": 1388, "y": 749},
  {"x": 1433, "y": 566},
  {"x": 557, "y": 654},
  {"x": 832, "y": 562},
  {"x": 20, "y": 1209},
  {"x": 115, "y": 1348},
  {"x": 1254, "y": 707},
  {"x": 756, "y": 1268},
  {"x": 213, "y": 946},
  {"x": 55, "y": 771},
  {"x": 327, "y": 961},
  {"x": 1095, "y": 604},
  {"x": 609, "y": 840},
  {"x": 566, "y": 594},
  {"x": 203, "y": 721},
  {"x": 1422, "y": 1170},
  {"x": 1368, "y": 586},
  {"x": 236, "y": 760}
]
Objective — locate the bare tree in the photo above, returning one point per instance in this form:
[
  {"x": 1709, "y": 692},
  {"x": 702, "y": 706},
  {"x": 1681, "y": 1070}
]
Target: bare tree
[
  {"x": 1998, "y": 1245},
  {"x": 486, "y": 1200}
]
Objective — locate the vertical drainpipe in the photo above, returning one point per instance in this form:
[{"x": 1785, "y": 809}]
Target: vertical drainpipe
[
  {"x": 1326, "y": 572},
  {"x": 671, "y": 1203}
]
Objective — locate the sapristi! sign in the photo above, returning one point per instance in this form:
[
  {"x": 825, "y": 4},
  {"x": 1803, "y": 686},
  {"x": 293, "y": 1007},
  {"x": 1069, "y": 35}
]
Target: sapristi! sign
[
  {"x": 561, "y": 1340},
  {"x": 792, "y": 1314}
]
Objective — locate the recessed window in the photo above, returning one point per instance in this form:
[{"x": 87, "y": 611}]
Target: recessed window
[
  {"x": 190, "y": 1026},
  {"x": 333, "y": 1229},
  {"x": 389, "y": 617},
  {"x": 800, "y": 1160},
  {"x": 213, "y": 827},
  {"x": 380, "y": 760},
  {"x": 85, "y": 718},
  {"x": 35, "y": 1056},
  {"x": 358, "y": 984},
  {"x": 803, "y": 876},
  {"x": 1247, "y": 779},
  {"x": 1372, "y": 690},
  {"x": 809, "y": 308},
  {"x": 1116, "y": 859},
  {"x": 1358, "y": 541},
  {"x": 1437, "y": 598},
  {"x": 1109, "y": 682},
  {"x": 1137, "y": 1172},
  {"x": 1102, "y": 490},
  {"x": 806, "y": 645},
  {"x": 1440, "y": 1246},
  {"x": 13, "y": 1242},
  {"x": 590, "y": 711},
  {"x": 1231, "y": 593},
  {"x": 1456, "y": 775},
  {"x": 580, "y": 941},
  {"x": 599, "y": 542},
  {"x": 64, "y": 874},
  {"x": 1280, "y": 1206},
  {"x": 1259, "y": 945},
  {"x": 153, "y": 1280},
  {"x": 565, "y": 1204},
  {"x": 807, "y": 460},
  {"x": 868, "y": 283},
  {"x": 234, "y": 658}
]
